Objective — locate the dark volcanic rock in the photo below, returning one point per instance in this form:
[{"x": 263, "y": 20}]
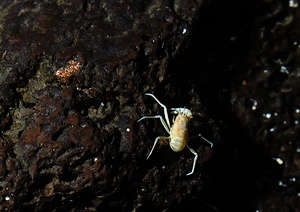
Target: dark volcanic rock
[{"x": 73, "y": 76}]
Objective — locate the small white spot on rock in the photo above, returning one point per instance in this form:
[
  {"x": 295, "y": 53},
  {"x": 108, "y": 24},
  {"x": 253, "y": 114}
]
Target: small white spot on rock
[
  {"x": 254, "y": 106},
  {"x": 284, "y": 70},
  {"x": 293, "y": 4},
  {"x": 267, "y": 115},
  {"x": 278, "y": 160}
]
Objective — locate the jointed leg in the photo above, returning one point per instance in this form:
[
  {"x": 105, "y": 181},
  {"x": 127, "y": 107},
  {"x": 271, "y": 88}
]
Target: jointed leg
[
  {"x": 165, "y": 108},
  {"x": 175, "y": 110},
  {"x": 157, "y": 117},
  {"x": 195, "y": 159},
  {"x": 155, "y": 142},
  {"x": 199, "y": 135}
]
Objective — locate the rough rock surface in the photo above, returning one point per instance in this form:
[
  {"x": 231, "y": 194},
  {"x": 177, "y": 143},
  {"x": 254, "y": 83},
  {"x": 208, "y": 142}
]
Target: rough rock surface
[{"x": 73, "y": 76}]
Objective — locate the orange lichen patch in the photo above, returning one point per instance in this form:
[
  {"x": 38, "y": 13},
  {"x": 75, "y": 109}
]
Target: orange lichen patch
[{"x": 73, "y": 67}]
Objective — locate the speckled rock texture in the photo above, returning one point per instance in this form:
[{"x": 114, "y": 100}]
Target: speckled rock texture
[{"x": 72, "y": 80}]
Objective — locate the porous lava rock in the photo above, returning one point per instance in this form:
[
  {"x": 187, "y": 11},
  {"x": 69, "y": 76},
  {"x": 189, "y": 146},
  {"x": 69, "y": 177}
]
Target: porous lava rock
[{"x": 73, "y": 78}]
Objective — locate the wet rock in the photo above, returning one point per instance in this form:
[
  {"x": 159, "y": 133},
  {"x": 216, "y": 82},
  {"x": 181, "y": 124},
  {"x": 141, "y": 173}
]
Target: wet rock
[
  {"x": 73, "y": 78},
  {"x": 73, "y": 75}
]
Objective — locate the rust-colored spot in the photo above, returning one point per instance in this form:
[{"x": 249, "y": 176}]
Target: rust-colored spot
[{"x": 73, "y": 67}]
